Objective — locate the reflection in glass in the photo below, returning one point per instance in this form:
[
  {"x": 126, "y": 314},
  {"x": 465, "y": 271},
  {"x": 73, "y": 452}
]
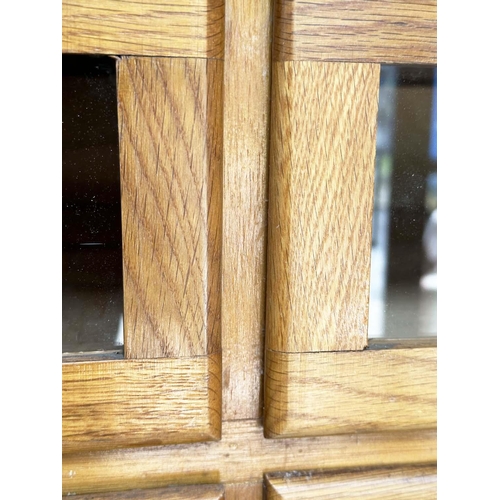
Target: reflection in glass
[
  {"x": 403, "y": 294},
  {"x": 92, "y": 288}
]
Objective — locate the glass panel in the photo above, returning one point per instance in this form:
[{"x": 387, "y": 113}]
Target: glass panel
[
  {"x": 92, "y": 298},
  {"x": 403, "y": 295}
]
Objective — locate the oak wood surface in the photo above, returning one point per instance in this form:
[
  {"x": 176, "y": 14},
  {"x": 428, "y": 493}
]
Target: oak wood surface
[
  {"x": 405, "y": 483},
  {"x": 244, "y": 491},
  {"x": 242, "y": 455},
  {"x": 381, "y": 31},
  {"x": 246, "y": 120},
  {"x": 175, "y": 28},
  {"x": 192, "y": 492},
  {"x": 323, "y": 130},
  {"x": 116, "y": 404},
  {"x": 314, "y": 394},
  {"x": 170, "y": 123}
]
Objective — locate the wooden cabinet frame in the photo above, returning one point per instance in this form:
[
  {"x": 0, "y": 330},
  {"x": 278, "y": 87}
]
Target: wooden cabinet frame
[
  {"x": 188, "y": 407},
  {"x": 320, "y": 380},
  {"x": 168, "y": 387}
]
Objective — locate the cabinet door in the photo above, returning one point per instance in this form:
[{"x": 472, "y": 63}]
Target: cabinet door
[{"x": 240, "y": 360}]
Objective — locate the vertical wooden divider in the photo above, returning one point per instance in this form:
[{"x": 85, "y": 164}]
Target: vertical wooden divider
[
  {"x": 170, "y": 113},
  {"x": 323, "y": 131}
]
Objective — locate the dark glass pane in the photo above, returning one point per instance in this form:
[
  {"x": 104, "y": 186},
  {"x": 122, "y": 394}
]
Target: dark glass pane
[
  {"x": 403, "y": 299},
  {"x": 92, "y": 285}
]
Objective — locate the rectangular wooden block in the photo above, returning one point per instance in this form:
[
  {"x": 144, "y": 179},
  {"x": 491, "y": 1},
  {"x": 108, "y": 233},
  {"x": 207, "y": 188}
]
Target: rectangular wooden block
[
  {"x": 177, "y": 28},
  {"x": 418, "y": 482},
  {"x": 379, "y": 31},
  {"x": 323, "y": 131},
  {"x": 380, "y": 389},
  {"x": 170, "y": 114},
  {"x": 118, "y": 404}
]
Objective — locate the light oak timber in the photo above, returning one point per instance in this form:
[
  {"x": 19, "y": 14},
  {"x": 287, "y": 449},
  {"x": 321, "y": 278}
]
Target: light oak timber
[
  {"x": 380, "y": 31},
  {"x": 322, "y": 157},
  {"x": 174, "y": 28},
  {"x": 201, "y": 492},
  {"x": 117, "y": 404},
  {"x": 170, "y": 124},
  {"x": 246, "y": 132},
  {"x": 402, "y": 483},
  {"x": 242, "y": 455},
  {"x": 244, "y": 491},
  {"x": 381, "y": 389}
]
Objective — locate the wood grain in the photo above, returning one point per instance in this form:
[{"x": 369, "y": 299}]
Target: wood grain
[
  {"x": 379, "y": 31},
  {"x": 244, "y": 491},
  {"x": 116, "y": 404},
  {"x": 175, "y": 28},
  {"x": 401, "y": 483},
  {"x": 321, "y": 178},
  {"x": 315, "y": 394},
  {"x": 242, "y": 455},
  {"x": 246, "y": 122},
  {"x": 198, "y": 492},
  {"x": 170, "y": 117}
]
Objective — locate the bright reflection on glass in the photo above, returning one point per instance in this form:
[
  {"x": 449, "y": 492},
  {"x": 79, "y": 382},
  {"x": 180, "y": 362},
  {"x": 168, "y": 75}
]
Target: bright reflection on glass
[
  {"x": 92, "y": 289},
  {"x": 403, "y": 294}
]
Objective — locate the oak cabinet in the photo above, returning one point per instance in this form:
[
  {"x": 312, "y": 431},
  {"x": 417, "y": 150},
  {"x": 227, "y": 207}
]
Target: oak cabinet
[{"x": 247, "y": 143}]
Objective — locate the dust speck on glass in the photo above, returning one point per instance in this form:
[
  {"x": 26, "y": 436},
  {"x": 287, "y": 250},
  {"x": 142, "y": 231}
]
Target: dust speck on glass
[
  {"x": 92, "y": 287},
  {"x": 403, "y": 294}
]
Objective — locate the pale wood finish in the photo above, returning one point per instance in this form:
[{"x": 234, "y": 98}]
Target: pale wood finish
[
  {"x": 198, "y": 492},
  {"x": 170, "y": 123},
  {"x": 321, "y": 176},
  {"x": 176, "y": 28},
  {"x": 242, "y": 455},
  {"x": 381, "y": 31},
  {"x": 244, "y": 491},
  {"x": 246, "y": 119},
  {"x": 116, "y": 404},
  {"x": 405, "y": 483},
  {"x": 384, "y": 389}
]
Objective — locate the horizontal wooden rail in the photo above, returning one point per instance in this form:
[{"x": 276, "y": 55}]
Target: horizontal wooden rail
[
  {"x": 403, "y": 483},
  {"x": 117, "y": 404},
  {"x": 380, "y": 31},
  {"x": 384, "y": 388},
  {"x": 174, "y": 28},
  {"x": 191, "y": 492}
]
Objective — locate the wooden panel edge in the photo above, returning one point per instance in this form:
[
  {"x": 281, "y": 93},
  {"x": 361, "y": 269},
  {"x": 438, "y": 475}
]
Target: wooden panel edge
[
  {"x": 181, "y": 492},
  {"x": 410, "y": 482},
  {"x": 318, "y": 394},
  {"x": 133, "y": 403},
  {"x": 377, "y": 31},
  {"x": 144, "y": 28}
]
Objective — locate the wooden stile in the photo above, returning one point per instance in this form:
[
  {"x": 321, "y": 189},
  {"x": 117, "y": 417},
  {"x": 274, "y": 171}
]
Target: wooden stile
[
  {"x": 320, "y": 204},
  {"x": 171, "y": 177}
]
